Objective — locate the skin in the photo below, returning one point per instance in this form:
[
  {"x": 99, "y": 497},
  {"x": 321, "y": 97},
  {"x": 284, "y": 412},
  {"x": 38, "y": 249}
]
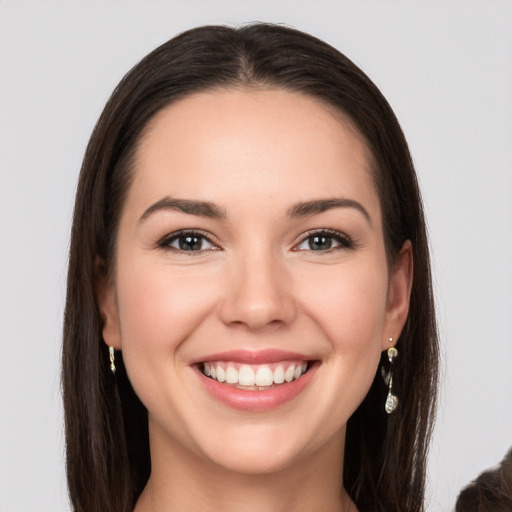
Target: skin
[{"x": 257, "y": 285}]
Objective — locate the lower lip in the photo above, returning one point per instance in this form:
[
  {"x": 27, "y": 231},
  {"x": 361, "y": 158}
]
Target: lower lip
[{"x": 247, "y": 400}]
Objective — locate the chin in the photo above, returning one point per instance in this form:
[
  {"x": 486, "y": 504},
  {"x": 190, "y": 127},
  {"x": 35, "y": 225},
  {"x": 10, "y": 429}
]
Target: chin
[
  {"x": 258, "y": 450},
  {"x": 254, "y": 462}
]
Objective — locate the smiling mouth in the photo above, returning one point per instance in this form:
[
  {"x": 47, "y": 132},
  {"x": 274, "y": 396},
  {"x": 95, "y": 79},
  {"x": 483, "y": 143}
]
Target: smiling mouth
[{"x": 254, "y": 377}]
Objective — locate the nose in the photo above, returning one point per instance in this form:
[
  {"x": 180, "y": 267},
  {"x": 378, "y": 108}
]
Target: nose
[{"x": 258, "y": 294}]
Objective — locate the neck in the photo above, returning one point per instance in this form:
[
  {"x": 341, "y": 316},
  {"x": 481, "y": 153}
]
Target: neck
[{"x": 182, "y": 481}]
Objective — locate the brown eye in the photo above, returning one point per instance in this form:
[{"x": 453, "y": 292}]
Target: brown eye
[
  {"x": 187, "y": 242},
  {"x": 190, "y": 243},
  {"x": 319, "y": 242},
  {"x": 325, "y": 241}
]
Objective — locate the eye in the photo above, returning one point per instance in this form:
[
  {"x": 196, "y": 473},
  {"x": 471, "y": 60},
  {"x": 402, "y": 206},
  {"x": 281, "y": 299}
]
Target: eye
[
  {"x": 325, "y": 241},
  {"x": 187, "y": 241}
]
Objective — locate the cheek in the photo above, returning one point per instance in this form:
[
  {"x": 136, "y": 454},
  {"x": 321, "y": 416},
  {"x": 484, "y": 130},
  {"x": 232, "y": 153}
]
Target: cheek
[
  {"x": 159, "y": 308},
  {"x": 349, "y": 304}
]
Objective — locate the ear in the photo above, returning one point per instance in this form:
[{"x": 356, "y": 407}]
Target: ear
[
  {"x": 399, "y": 293},
  {"x": 107, "y": 304}
]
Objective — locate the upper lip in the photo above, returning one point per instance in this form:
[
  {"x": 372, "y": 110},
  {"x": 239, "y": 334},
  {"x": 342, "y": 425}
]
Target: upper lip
[{"x": 253, "y": 356}]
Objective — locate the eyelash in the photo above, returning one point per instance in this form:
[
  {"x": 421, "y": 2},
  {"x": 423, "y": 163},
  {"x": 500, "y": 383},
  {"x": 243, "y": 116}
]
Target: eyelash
[{"x": 345, "y": 242}]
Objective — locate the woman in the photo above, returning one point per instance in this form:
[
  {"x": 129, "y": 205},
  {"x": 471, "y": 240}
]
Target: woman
[{"x": 249, "y": 321}]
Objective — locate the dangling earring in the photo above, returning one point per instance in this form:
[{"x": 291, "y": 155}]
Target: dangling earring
[
  {"x": 112, "y": 360},
  {"x": 391, "y": 399}
]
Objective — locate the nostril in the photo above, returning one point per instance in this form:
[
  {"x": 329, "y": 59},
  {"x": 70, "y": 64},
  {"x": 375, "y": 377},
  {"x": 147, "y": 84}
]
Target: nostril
[{"x": 257, "y": 300}]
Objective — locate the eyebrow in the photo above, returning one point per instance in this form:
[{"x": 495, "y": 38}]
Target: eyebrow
[
  {"x": 316, "y": 206},
  {"x": 213, "y": 211},
  {"x": 200, "y": 208}
]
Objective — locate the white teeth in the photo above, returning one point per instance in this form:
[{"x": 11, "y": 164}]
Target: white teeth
[
  {"x": 260, "y": 377},
  {"x": 264, "y": 376},
  {"x": 231, "y": 375},
  {"x": 279, "y": 375},
  {"x": 246, "y": 376},
  {"x": 221, "y": 374},
  {"x": 289, "y": 374}
]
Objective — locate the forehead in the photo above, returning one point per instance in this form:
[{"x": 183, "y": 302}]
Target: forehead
[{"x": 253, "y": 142}]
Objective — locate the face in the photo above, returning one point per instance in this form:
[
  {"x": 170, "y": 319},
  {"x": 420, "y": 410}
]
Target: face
[{"x": 252, "y": 297}]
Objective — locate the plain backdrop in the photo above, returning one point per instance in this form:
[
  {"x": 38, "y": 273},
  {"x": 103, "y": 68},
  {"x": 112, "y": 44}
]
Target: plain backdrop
[{"x": 445, "y": 67}]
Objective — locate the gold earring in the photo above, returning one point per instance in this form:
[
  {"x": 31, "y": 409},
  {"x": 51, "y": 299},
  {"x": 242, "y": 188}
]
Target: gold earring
[
  {"x": 112, "y": 360},
  {"x": 391, "y": 399}
]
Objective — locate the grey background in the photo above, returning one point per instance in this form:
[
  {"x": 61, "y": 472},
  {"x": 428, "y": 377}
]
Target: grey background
[{"x": 445, "y": 67}]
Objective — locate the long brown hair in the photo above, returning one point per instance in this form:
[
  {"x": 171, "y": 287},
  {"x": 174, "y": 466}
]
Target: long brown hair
[{"x": 107, "y": 443}]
